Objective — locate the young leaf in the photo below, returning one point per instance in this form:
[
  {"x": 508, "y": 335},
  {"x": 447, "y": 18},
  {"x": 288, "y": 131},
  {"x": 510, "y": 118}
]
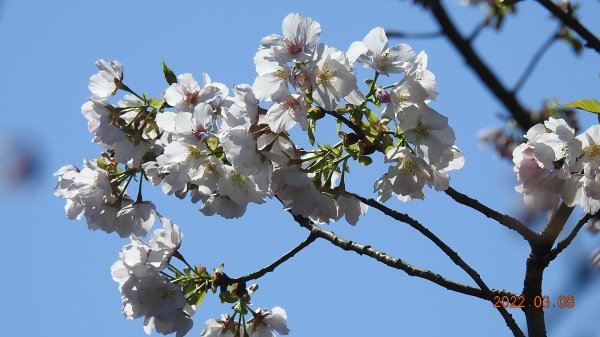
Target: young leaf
[
  {"x": 365, "y": 160},
  {"x": 590, "y": 105},
  {"x": 372, "y": 117},
  {"x": 169, "y": 74},
  {"x": 311, "y": 128},
  {"x": 155, "y": 102}
]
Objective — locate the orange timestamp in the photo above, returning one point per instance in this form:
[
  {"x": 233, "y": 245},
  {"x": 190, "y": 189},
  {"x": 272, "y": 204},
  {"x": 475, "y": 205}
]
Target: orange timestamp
[{"x": 518, "y": 302}]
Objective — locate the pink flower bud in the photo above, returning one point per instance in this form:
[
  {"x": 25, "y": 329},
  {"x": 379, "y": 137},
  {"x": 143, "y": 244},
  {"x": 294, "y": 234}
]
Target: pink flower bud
[{"x": 382, "y": 95}]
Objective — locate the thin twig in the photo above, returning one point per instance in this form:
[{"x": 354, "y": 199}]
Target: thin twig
[
  {"x": 505, "y": 220},
  {"x": 564, "y": 243},
  {"x": 407, "y": 35},
  {"x": 508, "y": 99},
  {"x": 482, "y": 24},
  {"x": 271, "y": 267},
  {"x": 402, "y": 217},
  {"x": 571, "y": 22},
  {"x": 445, "y": 248},
  {"x": 534, "y": 62},
  {"x": 347, "y": 122},
  {"x": 396, "y": 263}
]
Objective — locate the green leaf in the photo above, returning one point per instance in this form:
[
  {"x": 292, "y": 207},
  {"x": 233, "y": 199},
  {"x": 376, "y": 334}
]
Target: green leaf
[
  {"x": 200, "y": 298},
  {"x": 372, "y": 117},
  {"x": 155, "y": 103},
  {"x": 169, "y": 74},
  {"x": 311, "y": 130},
  {"x": 365, "y": 160},
  {"x": 590, "y": 105}
]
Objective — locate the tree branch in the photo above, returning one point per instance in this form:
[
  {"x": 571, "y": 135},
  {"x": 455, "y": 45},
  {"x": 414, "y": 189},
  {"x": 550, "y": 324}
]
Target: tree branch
[
  {"x": 569, "y": 21},
  {"x": 508, "y": 99},
  {"x": 534, "y": 62},
  {"x": 261, "y": 272},
  {"x": 411, "y": 270},
  {"x": 508, "y": 221},
  {"x": 402, "y": 217},
  {"x": 567, "y": 241}
]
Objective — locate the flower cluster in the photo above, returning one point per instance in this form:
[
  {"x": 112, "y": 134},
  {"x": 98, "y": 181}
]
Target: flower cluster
[
  {"x": 555, "y": 164},
  {"x": 263, "y": 323},
  {"x": 226, "y": 150}
]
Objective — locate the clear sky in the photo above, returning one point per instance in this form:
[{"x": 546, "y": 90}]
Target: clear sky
[{"x": 56, "y": 274}]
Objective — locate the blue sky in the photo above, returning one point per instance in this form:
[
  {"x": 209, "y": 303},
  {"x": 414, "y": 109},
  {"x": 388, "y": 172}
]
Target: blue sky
[{"x": 56, "y": 276}]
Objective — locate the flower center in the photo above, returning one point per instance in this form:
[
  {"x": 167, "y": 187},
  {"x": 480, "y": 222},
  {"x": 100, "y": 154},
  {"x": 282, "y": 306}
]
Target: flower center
[
  {"x": 408, "y": 166},
  {"x": 210, "y": 168},
  {"x": 302, "y": 80},
  {"x": 191, "y": 97},
  {"x": 194, "y": 153},
  {"x": 291, "y": 104},
  {"x": 282, "y": 74},
  {"x": 238, "y": 178},
  {"x": 199, "y": 131},
  {"x": 325, "y": 75},
  {"x": 591, "y": 151},
  {"x": 294, "y": 47},
  {"x": 166, "y": 293}
]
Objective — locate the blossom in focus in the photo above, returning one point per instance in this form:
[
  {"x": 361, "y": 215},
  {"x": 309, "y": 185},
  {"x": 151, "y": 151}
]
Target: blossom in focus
[
  {"x": 105, "y": 83},
  {"x": 373, "y": 53}
]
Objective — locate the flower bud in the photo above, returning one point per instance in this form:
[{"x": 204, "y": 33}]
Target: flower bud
[
  {"x": 301, "y": 79},
  {"x": 382, "y": 95}
]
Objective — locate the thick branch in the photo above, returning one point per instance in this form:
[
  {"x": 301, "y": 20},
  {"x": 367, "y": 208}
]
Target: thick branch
[
  {"x": 508, "y": 99},
  {"x": 508, "y": 221},
  {"x": 569, "y": 21},
  {"x": 554, "y": 227},
  {"x": 402, "y": 217},
  {"x": 567, "y": 241},
  {"x": 536, "y": 264},
  {"x": 259, "y": 273}
]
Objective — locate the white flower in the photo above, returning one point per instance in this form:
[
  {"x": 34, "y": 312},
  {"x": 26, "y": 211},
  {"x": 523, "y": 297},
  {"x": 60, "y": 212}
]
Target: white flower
[
  {"x": 196, "y": 126},
  {"x": 428, "y": 130},
  {"x": 408, "y": 93},
  {"x": 418, "y": 72},
  {"x": 299, "y": 194},
  {"x": 452, "y": 159},
  {"x": 219, "y": 328},
  {"x": 351, "y": 208},
  {"x": 240, "y": 149},
  {"x": 409, "y": 175},
  {"x": 100, "y": 123},
  {"x": 66, "y": 175},
  {"x": 186, "y": 93},
  {"x": 373, "y": 53},
  {"x": 243, "y": 109},
  {"x": 590, "y": 143},
  {"x": 284, "y": 114},
  {"x": 104, "y": 83},
  {"x": 330, "y": 77},
  {"x": 147, "y": 293},
  {"x": 177, "y": 321},
  {"x": 300, "y": 36},
  {"x": 273, "y": 77},
  {"x": 265, "y": 322},
  {"x": 223, "y": 206},
  {"x": 163, "y": 244},
  {"x": 239, "y": 188},
  {"x": 137, "y": 218}
]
